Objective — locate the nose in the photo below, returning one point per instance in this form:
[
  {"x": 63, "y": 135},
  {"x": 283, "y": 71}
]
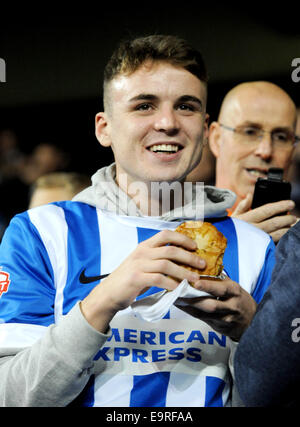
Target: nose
[
  {"x": 166, "y": 121},
  {"x": 265, "y": 147}
]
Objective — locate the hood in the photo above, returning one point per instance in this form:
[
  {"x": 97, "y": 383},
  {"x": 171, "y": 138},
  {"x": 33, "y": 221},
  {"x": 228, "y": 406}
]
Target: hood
[{"x": 200, "y": 202}]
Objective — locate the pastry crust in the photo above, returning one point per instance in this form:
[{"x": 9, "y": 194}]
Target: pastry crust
[{"x": 211, "y": 245}]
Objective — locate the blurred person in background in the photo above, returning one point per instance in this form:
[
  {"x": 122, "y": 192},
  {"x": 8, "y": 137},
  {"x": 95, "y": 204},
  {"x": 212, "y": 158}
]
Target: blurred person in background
[
  {"x": 14, "y": 189},
  {"x": 11, "y": 161},
  {"x": 11, "y": 156},
  {"x": 57, "y": 186},
  {"x": 254, "y": 132},
  {"x": 45, "y": 158}
]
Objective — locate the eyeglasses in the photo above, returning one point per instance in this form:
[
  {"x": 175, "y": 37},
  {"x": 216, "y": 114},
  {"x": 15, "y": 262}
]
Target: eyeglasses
[{"x": 283, "y": 139}]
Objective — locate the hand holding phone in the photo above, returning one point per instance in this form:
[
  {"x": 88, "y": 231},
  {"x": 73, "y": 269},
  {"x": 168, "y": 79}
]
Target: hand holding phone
[
  {"x": 268, "y": 208},
  {"x": 270, "y": 190}
]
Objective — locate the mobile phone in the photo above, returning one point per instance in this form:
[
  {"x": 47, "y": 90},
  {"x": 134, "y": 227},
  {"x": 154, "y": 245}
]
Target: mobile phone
[{"x": 272, "y": 189}]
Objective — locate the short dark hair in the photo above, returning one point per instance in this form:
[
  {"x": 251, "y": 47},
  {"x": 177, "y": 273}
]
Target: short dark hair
[{"x": 131, "y": 54}]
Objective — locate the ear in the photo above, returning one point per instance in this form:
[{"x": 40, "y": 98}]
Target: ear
[
  {"x": 102, "y": 129},
  {"x": 215, "y": 138}
]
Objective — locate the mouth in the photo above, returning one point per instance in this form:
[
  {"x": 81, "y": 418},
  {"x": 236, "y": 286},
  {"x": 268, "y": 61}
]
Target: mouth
[
  {"x": 257, "y": 173},
  {"x": 165, "y": 148}
]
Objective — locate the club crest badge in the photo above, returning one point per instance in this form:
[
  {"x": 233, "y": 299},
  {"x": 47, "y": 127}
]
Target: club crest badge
[{"x": 4, "y": 282}]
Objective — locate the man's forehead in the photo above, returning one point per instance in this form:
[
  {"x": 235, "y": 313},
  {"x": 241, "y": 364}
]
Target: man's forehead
[
  {"x": 154, "y": 77},
  {"x": 267, "y": 109}
]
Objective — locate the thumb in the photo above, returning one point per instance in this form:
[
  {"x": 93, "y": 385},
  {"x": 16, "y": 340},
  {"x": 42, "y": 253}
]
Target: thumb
[{"x": 243, "y": 206}]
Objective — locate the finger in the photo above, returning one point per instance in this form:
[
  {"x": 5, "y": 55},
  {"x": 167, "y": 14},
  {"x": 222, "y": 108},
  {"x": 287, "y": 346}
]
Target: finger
[
  {"x": 221, "y": 323},
  {"x": 171, "y": 237},
  {"x": 271, "y": 209},
  {"x": 276, "y": 235},
  {"x": 243, "y": 206},
  {"x": 277, "y": 223},
  {"x": 219, "y": 288},
  {"x": 180, "y": 255},
  {"x": 210, "y": 306},
  {"x": 171, "y": 269},
  {"x": 160, "y": 280}
]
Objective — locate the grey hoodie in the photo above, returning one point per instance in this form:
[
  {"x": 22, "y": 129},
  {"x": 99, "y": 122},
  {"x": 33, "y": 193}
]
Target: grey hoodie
[
  {"x": 56, "y": 368},
  {"x": 104, "y": 193}
]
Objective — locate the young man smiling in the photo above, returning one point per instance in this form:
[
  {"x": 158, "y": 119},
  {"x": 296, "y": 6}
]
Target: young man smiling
[{"x": 65, "y": 337}]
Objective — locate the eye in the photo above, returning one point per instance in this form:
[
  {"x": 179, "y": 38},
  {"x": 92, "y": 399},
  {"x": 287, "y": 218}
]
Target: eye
[
  {"x": 144, "y": 107},
  {"x": 281, "y": 136},
  {"x": 185, "y": 108},
  {"x": 250, "y": 131}
]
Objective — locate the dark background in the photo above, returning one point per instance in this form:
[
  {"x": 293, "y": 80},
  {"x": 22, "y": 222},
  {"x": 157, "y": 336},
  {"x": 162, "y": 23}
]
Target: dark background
[{"x": 55, "y": 54}]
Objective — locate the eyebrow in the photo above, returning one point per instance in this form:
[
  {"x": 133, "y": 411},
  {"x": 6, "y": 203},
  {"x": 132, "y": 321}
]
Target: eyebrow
[
  {"x": 150, "y": 97},
  {"x": 259, "y": 126},
  {"x": 144, "y": 97}
]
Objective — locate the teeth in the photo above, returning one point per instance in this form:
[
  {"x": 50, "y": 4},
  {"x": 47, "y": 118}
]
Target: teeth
[
  {"x": 165, "y": 147},
  {"x": 255, "y": 172}
]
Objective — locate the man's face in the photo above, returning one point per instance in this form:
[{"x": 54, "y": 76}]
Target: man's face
[
  {"x": 239, "y": 164},
  {"x": 156, "y": 123}
]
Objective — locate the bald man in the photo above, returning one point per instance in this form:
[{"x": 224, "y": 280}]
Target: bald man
[{"x": 254, "y": 132}]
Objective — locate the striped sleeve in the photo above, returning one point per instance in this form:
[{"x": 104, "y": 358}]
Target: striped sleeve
[{"x": 30, "y": 292}]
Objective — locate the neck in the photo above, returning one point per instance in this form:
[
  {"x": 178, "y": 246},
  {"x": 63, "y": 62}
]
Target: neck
[{"x": 154, "y": 198}]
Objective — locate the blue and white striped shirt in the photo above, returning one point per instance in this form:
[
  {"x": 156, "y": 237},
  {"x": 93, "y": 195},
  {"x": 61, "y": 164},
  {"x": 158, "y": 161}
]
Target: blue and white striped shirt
[{"x": 178, "y": 361}]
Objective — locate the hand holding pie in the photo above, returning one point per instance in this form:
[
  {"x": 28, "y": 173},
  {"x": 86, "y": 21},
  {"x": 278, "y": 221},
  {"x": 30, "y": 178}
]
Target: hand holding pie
[{"x": 211, "y": 245}]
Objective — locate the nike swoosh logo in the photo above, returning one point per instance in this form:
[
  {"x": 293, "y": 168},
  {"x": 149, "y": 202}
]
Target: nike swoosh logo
[{"x": 89, "y": 279}]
